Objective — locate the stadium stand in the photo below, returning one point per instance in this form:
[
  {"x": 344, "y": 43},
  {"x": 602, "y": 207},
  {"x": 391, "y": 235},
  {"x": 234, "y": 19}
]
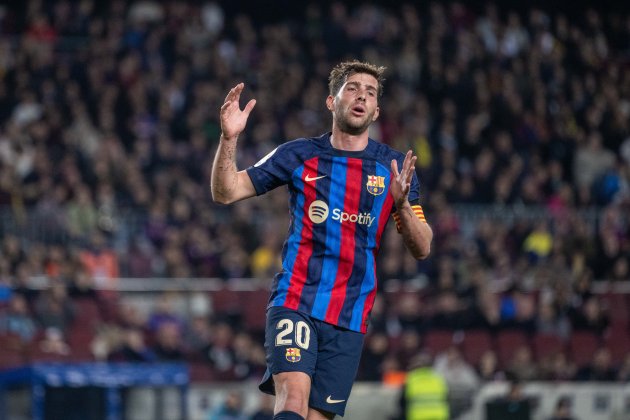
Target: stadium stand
[{"x": 520, "y": 116}]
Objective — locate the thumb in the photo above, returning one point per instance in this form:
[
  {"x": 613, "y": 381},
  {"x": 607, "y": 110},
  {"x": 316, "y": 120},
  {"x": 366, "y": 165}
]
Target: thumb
[{"x": 248, "y": 108}]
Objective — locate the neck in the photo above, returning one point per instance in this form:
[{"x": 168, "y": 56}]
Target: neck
[{"x": 348, "y": 142}]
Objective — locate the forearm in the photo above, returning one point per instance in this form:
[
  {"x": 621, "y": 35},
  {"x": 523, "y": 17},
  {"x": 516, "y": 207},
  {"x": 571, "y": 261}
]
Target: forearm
[
  {"x": 417, "y": 234},
  {"x": 224, "y": 176}
]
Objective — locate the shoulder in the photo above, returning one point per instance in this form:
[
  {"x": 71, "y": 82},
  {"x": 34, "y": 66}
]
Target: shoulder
[
  {"x": 385, "y": 153},
  {"x": 301, "y": 146},
  {"x": 293, "y": 149},
  {"x": 306, "y": 144},
  {"x": 292, "y": 154}
]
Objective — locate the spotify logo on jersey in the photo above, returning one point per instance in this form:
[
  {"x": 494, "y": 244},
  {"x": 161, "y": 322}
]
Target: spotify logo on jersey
[{"x": 318, "y": 211}]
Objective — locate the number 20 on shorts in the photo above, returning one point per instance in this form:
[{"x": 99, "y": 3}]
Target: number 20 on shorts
[{"x": 287, "y": 327}]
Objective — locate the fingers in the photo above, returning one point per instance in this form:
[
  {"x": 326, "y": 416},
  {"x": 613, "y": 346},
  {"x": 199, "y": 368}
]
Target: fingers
[
  {"x": 408, "y": 167},
  {"x": 411, "y": 169},
  {"x": 395, "y": 168},
  {"x": 406, "y": 162},
  {"x": 248, "y": 108},
  {"x": 235, "y": 93}
]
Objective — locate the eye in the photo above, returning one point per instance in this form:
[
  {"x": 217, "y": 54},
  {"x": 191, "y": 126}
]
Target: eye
[
  {"x": 351, "y": 88},
  {"x": 372, "y": 93}
]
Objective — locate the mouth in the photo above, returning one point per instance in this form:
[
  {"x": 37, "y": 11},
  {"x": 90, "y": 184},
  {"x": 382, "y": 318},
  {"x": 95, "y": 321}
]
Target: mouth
[{"x": 358, "y": 110}]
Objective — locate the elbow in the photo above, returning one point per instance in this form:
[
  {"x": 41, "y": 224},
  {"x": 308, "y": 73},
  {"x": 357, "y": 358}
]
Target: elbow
[
  {"x": 422, "y": 253},
  {"x": 220, "y": 198},
  {"x": 423, "y": 248}
]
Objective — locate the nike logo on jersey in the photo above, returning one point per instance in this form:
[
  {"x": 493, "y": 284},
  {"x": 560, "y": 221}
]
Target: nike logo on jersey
[
  {"x": 309, "y": 178},
  {"x": 329, "y": 400}
]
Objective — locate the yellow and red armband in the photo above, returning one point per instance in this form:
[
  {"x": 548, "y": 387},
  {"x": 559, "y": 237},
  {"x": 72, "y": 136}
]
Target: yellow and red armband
[{"x": 417, "y": 209}]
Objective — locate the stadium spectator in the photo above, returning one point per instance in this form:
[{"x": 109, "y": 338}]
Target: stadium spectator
[
  {"x": 550, "y": 322},
  {"x": 101, "y": 263},
  {"x": 198, "y": 335},
  {"x": 54, "y": 309},
  {"x": 562, "y": 410},
  {"x": 105, "y": 128},
  {"x": 374, "y": 354},
  {"x": 600, "y": 369},
  {"x": 557, "y": 367},
  {"x": 522, "y": 367},
  {"x": 165, "y": 312},
  {"x": 425, "y": 393},
  {"x": 17, "y": 319},
  {"x": 590, "y": 316},
  {"x": 168, "y": 345},
  {"x": 54, "y": 343},
  {"x": 488, "y": 367},
  {"x": 219, "y": 353},
  {"x": 232, "y": 408},
  {"x": 461, "y": 378},
  {"x": 133, "y": 348},
  {"x": 265, "y": 409}
]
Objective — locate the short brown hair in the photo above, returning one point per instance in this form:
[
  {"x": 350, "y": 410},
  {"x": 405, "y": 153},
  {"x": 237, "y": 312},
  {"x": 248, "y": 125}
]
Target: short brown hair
[{"x": 340, "y": 73}]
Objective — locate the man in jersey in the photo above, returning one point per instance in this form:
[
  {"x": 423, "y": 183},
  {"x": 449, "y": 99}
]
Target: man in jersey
[{"x": 343, "y": 188}]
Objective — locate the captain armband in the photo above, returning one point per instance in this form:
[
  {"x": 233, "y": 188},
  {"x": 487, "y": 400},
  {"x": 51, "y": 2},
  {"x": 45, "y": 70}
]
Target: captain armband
[{"x": 417, "y": 209}]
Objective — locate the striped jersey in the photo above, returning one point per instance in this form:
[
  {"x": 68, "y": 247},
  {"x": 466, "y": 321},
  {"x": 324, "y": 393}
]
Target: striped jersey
[{"x": 340, "y": 204}]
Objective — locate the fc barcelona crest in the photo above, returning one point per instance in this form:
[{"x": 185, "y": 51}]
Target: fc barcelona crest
[
  {"x": 375, "y": 184},
  {"x": 293, "y": 355}
]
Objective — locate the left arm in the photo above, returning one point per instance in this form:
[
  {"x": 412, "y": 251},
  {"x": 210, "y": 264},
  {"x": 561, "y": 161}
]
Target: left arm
[{"x": 416, "y": 233}]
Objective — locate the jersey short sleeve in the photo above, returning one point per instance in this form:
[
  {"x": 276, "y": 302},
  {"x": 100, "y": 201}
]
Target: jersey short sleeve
[{"x": 272, "y": 170}]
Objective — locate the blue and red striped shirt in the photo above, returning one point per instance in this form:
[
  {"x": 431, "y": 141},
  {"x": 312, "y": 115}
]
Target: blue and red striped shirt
[{"x": 340, "y": 204}]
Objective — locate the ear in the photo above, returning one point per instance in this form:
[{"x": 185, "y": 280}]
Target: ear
[
  {"x": 376, "y": 113},
  {"x": 330, "y": 103}
]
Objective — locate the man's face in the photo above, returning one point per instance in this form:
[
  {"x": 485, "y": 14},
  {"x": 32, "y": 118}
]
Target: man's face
[{"x": 356, "y": 104}]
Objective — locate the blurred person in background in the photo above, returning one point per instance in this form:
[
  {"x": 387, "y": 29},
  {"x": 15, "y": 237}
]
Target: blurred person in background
[
  {"x": 54, "y": 309},
  {"x": 133, "y": 348},
  {"x": 373, "y": 356},
  {"x": 424, "y": 395},
  {"x": 488, "y": 367},
  {"x": 562, "y": 410},
  {"x": 231, "y": 409},
  {"x": 600, "y": 368},
  {"x": 17, "y": 319},
  {"x": 265, "y": 409},
  {"x": 343, "y": 188},
  {"x": 168, "y": 343},
  {"x": 461, "y": 379}
]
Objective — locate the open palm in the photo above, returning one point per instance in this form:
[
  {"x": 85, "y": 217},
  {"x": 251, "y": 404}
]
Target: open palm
[
  {"x": 233, "y": 119},
  {"x": 401, "y": 181}
]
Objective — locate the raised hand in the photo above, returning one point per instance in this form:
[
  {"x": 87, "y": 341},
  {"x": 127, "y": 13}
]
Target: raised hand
[
  {"x": 233, "y": 119},
  {"x": 401, "y": 181}
]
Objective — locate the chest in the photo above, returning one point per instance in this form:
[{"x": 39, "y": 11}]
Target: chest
[{"x": 347, "y": 187}]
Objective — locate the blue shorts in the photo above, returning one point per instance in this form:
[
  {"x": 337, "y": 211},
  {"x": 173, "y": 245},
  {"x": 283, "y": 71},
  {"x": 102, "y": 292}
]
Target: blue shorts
[{"x": 330, "y": 355}]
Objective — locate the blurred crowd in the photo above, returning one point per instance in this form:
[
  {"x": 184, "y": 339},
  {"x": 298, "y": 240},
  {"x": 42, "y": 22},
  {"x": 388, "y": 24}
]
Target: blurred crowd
[{"x": 109, "y": 120}]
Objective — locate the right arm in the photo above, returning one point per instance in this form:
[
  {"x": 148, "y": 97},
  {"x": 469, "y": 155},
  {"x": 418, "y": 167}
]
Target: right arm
[{"x": 226, "y": 182}]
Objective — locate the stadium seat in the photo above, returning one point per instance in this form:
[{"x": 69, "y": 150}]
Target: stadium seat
[
  {"x": 545, "y": 345},
  {"x": 582, "y": 346},
  {"x": 617, "y": 340},
  {"x": 201, "y": 371},
  {"x": 37, "y": 354},
  {"x": 87, "y": 312},
  {"x": 254, "y": 304},
  {"x": 616, "y": 305},
  {"x": 474, "y": 344},
  {"x": 80, "y": 341},
  {"x": 11, "y": 351},
  {"x": 506, "y": 343},
  {"x": 437, "y": 341}
]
